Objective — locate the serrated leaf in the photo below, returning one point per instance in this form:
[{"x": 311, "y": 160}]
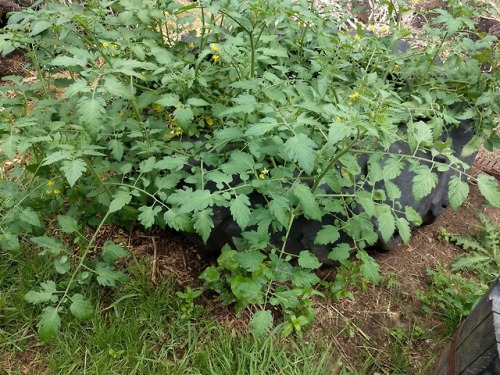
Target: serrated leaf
[
  {"x": 246, "y": 290},
  {"x": 183, "y": 116},
  {"x": 307, "y": 201},
  {"x": 169, "y": 100},
  {"x": 91, "y": 112},
  {"x": 303, "y": 278},
  {"x": 68, "y": 224},
  {"x": 9, "y": 145},
  {"x": 62, "y": 265},
  {"x": 308, "y": 260},
  {"x": 203, "y": 223},
  {"x": 250, "y": 260},
  {"x": 78, "y": 87},
  {"x": 120, "y": 199},
  {"x": 56, "y": 156},
  {"x": 301, "y": 149},
  {"x": 107, "y": 275},
  {"x": 339, "y": 131},
  {"x": 117, "y": 149},
  {"x": 47, "y": 294},
  {"x": 194, "y": 201},
  {"x": 49, "y": 244},
  {"x": 240, "y": 210},
  {"x": 115, "y": 87},
  {"x": 73, "y": 170},
  {"x": 262, "y": 322},
  {"x": 80, "y": 307},
  {"x": 458, "y": 191},
  {"x": 328, "y": 234},
  {"x": 403, "y": 229},
  {"x": 49, "y": 323},
  {"x": 369, "y": 267},
  {"x": 488, "y": 186},
  {"x": 265, "y": 125},
  {"x": 470, "y": 261},
  {"x": 280, "y": 208},
  {"x": 148, "y": 215},
  {"x": 287, "y": 299},
  {"x": 39, "y": 27},
  {"x": 68, "y": 61},
  {"x": 386, "y": 225},
  {"x": 112, "y": 252},
  {"x": 28, "y": 215},
  {"x": 412, "y": 216},
  {"x": 423, "y": 182},
  {"x": 197, "y": 102},
  {"x": 340, "y": 253}
]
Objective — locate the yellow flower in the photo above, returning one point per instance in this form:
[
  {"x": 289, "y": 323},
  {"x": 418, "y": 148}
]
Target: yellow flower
[
  {"x": 167, "y": 14},
  {"x": 143, "y": 72},
  {"x": 215, "y": 58},
  {"x": 263, "y": 174},
  {"x": 50, "y": 183},
  {"x": 105, "y": 45},
  {"x": 357, "y": 37},
  {"x": 338, "y": 119},
  {"x": 48, "y": 192},
  {"x": 57, "y": 192},
  {"x": 371, "y": 28},
  {"x": 299, "y": 24},
  {"x": 210, "y": 122},
  {"x": 121, "y": 113},
  {"x": 157, "y": 107},
  {"x": 116, "y": 46},
  {"x": 213, "y": 47},
  {"x": 354, "y": 96},
  {"x": 384, "y": 30},
  {"x": 396, "y": 66},
  {"x": 191, "y": 45}
]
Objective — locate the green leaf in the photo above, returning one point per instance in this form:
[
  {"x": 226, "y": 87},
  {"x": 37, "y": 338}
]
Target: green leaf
[
  {"x": 120, "y": 199},
  {"x": 307, "y": 201},
  {"x": 340, "y": 253},
  {"x": 240, "y": 210},
  {"x": 48, "y": 293},
  {"x": 250, "y": 260},
  {"x": 246, "y": 290},
  {"x": 203, "y": 223},
  {"x": 369, "y": 267},
  {"x": 169, "y": 100},
  {"x": 339, "y": 131},
  {"x": 488, "y": 186},
  {"x": 80, "y": 307},
  {"x": 328, "y": 234},
  {"x": 49, "y": 244},
  {"x": 413, "y": 216},
  {"x": 288, "y": 299},
  {"x": 28, "y": 215},
  {"x": 107, "y": 275},
  {"x": 112, "y": 252},
  {"x": 68, "y": 61},
  {"x": 49, "y": 323},
  {"x": 471, "y": 261},
  {"x": 9, "y": 145},
  {"x": 39, "y": 27},
  {"x": 280, "y": 208},
  {"x": 386, "y": 224},
  {"x": 301, "y": 149},
  {"x": 73, "y": 170},
  {"x": 117, "y": 149},
  {"x": 308, "y": 260},
  {"x": 423, "y": 182},
  {"x": 91, "y": 112},
  {"x": 458, "y": 191},
  {"x": 78, "y": 87},
  {"x": 403, "y": 229},
  {"x": 194, "y": 201},
  {"x": 197, "y": 102},
  {"x": 303, "y": 278},
  {"x": 265, "y": 125},
  {"x": 67, "y": 223},
  {"x": 62, "y": 265},
  {"x": 262, "y": 322},
  {"x": 183, "y": 116},
  {"x": 115, "y": 87},
  {"x": 148, "y": 215}
]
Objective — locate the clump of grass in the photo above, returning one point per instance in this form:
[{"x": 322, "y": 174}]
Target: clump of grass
[{"x": 143, "y": 331}]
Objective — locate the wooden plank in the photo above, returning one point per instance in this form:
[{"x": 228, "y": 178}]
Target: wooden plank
[
  {"x": 479, "y": 314},
  {"x": 485, "y": 360}
]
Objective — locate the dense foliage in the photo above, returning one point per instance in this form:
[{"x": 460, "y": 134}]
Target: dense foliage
[{"x": 175, "y": 115}]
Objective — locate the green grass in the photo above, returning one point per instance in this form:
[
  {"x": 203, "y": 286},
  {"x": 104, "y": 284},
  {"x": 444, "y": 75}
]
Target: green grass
[{"x": 142, "y": 332}]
